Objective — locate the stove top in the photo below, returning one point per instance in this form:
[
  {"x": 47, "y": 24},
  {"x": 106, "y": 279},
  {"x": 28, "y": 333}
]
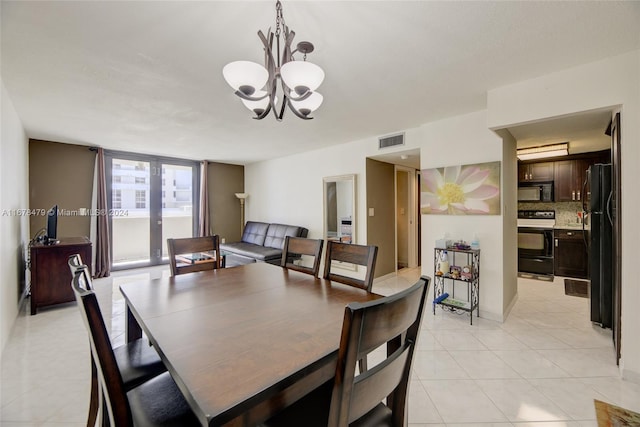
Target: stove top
[
  {"x": 534, "y": 214},
  {"x": 538, "y": 219}
]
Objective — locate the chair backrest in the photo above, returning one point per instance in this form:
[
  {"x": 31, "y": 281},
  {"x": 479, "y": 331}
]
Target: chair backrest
[
  {"x": 354, "y": 254},
  {"x": 76, "y": 265},
  {"x": 74, "y": 262},
  {"x": 183, "y": 254},
  {"x": 394, "y": 320},
  {"x": 117, "y": 404},
  {"x": 295, "y": 247}
]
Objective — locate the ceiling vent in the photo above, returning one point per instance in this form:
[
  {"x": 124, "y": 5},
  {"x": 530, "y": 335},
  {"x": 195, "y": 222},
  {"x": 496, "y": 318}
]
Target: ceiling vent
[{"x": 391, "y": 141}]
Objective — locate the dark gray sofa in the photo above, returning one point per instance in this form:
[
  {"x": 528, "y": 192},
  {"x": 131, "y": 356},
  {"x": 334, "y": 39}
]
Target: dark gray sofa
[{"x": 261, "y": 242}]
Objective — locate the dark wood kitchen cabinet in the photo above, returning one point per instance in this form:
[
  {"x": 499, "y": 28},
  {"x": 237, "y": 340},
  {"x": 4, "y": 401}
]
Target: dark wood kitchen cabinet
[
  {"x": 569, "y": 179},
  {"x": 535, "y": 172},
  {"x": 50, "y": 275},
  {"x": 570, "y": 254}
]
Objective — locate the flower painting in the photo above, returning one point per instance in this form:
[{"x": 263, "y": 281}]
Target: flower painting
[{"x": 461, "y": 190}]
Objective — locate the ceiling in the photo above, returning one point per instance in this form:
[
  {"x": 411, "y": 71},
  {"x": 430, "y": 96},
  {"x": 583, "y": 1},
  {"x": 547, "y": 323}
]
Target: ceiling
[{"x": 147, "y": 76}]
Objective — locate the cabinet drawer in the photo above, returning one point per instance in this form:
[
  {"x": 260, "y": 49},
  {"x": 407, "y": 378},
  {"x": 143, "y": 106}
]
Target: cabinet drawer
[{"x": 568, "y": 234}]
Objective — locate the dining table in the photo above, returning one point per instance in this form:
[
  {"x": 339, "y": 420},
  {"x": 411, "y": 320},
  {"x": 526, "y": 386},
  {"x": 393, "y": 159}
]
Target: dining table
[{"x": 242, "y": 343}]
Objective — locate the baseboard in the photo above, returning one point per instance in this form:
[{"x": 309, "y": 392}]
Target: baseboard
[
  {"x": 509, "y": 307},
  {"x": 629, "y": 375}
]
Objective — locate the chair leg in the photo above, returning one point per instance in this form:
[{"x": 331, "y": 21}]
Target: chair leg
[{"x": 95, "y": 398}]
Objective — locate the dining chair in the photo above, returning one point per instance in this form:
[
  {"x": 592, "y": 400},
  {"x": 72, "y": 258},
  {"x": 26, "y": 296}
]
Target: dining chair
[
  {"x": 187, "y": 255},
  {"x": 295, "y": 247},
  {"x": 156, "y": 402},
  {"x": 137, "y": 361},
  {"x": 353, "y": 254},
  {"x": 351, "y": 399}
]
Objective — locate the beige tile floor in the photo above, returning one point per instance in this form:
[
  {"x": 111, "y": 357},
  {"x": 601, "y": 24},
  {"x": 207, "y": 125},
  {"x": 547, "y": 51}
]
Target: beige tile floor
[{"x": 542, "y": 367}]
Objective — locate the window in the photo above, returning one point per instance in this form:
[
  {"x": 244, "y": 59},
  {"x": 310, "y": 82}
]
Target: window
[
  {"x": 136, "y": 183},
  {"x": 141, "y": 199},
  {"x": 117, "y": 199}
]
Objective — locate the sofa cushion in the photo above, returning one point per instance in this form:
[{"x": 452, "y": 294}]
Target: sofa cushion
[
  {"x": 277, "y": 233},
  {"x": 260, "y": 253},
  {"x": 255, "y": 232}
]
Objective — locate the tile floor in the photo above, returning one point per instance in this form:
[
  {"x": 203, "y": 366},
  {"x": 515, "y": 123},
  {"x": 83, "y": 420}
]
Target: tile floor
[{"x": 542, "y": 367}]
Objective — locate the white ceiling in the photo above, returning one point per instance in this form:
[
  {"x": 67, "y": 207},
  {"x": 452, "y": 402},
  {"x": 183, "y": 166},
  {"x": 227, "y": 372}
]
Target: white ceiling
[{"x": 147, "y": 76}]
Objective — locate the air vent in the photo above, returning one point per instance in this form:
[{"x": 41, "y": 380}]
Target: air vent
[{"x": 391, "y": 141}]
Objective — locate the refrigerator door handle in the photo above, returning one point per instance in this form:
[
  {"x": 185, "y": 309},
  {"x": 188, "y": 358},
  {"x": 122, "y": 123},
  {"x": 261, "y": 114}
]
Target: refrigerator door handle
[
  {"x": 609, "y": 207},
  {"x": 584, "y": 189}
]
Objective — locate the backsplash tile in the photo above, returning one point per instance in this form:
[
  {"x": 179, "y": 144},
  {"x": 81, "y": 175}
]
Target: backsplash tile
[{"x": 566, "y": 212}]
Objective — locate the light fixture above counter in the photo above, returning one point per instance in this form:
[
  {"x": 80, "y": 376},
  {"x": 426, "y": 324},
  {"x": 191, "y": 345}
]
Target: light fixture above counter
[
  {"x": 553, "y": 150},
  {"x": 257, "y": 86}
]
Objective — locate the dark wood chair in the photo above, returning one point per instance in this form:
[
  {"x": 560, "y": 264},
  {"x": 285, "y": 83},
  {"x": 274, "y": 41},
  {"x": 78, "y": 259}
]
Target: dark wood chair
[
  {"x": 156, "y": 402},
  {"x": 295, "y": 247},
  {"x": 354, "y": 254},
  {"x": 192, "y": 254},
  {"x": 137, "y": 361},
  {"x": 352, "y": 399}
]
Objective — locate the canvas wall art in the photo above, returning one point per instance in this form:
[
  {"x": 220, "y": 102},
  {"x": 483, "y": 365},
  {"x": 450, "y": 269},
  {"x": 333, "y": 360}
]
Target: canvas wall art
[{"x": 461, "y": 190}]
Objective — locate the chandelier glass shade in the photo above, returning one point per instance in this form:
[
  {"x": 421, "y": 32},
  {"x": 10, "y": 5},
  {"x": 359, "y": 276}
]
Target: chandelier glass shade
[{"x": 297, "y": 81}]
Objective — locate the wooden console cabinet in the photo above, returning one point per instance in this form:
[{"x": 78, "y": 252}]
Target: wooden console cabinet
[{"x": 50, "y": 275}]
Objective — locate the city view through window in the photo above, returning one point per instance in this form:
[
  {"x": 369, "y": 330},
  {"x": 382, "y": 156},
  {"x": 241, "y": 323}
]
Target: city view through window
[{"x": 153, "y": 208}]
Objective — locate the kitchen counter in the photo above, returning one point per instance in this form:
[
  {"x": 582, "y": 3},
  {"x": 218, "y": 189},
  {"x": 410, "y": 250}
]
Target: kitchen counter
[{"x": 570, "y": 226}]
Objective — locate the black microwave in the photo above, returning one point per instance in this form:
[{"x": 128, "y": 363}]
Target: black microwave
[{"x": 535, "y": 191}]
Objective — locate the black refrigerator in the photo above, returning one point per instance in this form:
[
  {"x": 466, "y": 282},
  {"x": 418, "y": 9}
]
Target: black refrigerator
[{"x": 601, "y": 243}]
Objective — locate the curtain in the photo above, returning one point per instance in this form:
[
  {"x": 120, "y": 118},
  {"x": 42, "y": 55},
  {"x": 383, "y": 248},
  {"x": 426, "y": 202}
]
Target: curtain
[
  {"x": 102, "y": 247},
  {"x": 204, "y": 228}
]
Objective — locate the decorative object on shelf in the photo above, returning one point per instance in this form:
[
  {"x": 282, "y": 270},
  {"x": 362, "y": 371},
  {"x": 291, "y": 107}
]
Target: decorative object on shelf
[
  {"x": 544, "y": 151},
  {"x": 257, "y": 85},
  {"x": 461, "y": 245},
  {"x": 455, "y": 272},
  {"x": 443, "y": 264},
  {"x": 462, "y": 190},
  {"x": 466, "y": 273}
]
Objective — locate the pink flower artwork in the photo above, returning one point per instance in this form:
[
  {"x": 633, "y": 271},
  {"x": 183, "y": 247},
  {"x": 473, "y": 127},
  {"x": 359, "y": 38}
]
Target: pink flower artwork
[{"x": 461, "y": 190}]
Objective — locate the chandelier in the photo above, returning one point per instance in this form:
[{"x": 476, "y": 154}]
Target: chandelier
[{"x": 257, "y": 85}]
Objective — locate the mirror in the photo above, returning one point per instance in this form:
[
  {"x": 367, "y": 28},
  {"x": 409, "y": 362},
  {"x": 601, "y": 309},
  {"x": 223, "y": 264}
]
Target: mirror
[{"x": 339, "y": 210}]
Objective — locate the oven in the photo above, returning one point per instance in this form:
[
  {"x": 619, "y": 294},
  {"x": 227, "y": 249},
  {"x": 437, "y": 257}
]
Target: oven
[{"x": 535, "y": 242}]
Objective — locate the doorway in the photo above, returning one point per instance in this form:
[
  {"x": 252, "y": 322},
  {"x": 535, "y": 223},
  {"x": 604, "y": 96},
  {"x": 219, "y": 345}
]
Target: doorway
[
  {"x": 587, "y": 133},
  {"x": 407, "y": 215}
]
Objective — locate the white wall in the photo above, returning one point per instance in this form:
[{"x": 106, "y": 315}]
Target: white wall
[
  {"x": 614, "y": 82},
  {"x": 464, "y": 140},
  {"x": 289, "y": 190},
  {"x": 14, "y": 230}
]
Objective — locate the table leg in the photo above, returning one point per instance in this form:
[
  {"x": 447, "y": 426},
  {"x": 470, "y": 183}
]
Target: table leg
[{"x": 133, "y": 329}]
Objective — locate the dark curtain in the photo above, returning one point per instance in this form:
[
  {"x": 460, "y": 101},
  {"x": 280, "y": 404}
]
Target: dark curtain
[
  {"x": 204, "y": 228},
  {"x": 103, "y": 246}
]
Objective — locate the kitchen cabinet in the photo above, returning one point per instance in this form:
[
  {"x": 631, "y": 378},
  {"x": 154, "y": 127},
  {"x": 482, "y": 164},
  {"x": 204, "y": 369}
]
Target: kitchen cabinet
[
  {"x": 535, "y": 172},
  {"x": 570, "y": 254},
  {"x": 569, "y": 178}
]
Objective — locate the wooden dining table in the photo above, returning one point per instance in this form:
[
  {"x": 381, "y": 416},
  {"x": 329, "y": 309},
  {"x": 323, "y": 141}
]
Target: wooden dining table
[{"x": 242, "y": 343}]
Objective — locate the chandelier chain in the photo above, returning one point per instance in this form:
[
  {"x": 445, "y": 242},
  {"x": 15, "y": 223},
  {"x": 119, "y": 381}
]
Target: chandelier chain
[{"x": 279, "y": 18}]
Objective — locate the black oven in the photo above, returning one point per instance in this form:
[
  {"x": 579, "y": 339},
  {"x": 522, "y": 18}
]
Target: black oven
[
  {"x": 535, "y": 250},
  {"x": 535, "y": 242}
]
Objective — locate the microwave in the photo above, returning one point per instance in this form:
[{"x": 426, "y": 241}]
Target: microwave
[{"x": 535, "y": 191}]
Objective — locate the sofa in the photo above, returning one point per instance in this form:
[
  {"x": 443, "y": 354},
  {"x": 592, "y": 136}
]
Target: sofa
[{"x": 261, "y": 242}]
